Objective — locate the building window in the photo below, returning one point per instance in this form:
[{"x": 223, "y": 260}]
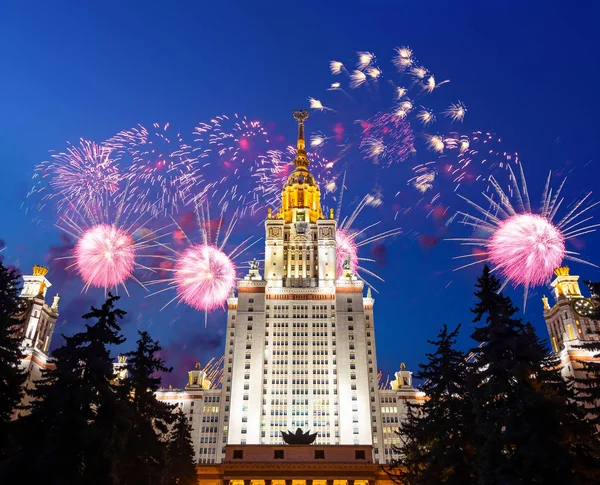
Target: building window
[
  {"x": 319, "y": 454},
  {"x": 359, "y": 454},
  {"x": 238, "y": 454},
  {"x": 278, "y": 454},
  {"x": 250, "y": 300}
]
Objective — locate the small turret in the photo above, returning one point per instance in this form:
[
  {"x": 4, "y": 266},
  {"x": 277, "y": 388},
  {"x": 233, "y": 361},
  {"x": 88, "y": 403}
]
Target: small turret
[
  {"x": 565, "y": 285},
  {"x": 403, "y": 379},
  {"x": 198, "y": 378}
]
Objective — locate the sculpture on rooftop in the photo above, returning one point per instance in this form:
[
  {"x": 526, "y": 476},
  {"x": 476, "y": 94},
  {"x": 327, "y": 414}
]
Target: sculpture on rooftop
[{"x": 299, "y": 437}]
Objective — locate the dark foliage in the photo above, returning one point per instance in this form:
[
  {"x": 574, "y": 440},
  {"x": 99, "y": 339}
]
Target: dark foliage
[
  {"x": 74, "y": 433},
  {"x": 438, "y": 438},
  {"x": 182, "y": 470},
  {"x": 11, "y": 377},
  {"x": 145, "y": 456},
  {"x": 528, "y": 425}
]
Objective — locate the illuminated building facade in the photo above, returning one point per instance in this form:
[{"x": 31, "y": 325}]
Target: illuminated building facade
[
  {"x": 36, "y": 323},
  {"x": 569, "y": 323},
  {"x": 300, "y": 344}
]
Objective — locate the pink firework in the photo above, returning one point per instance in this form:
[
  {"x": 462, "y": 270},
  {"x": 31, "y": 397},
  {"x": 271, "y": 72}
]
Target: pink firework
[
  {"x": 83, "y": 174},
  {"x": 349, "y": 240},
  {"x": 522, "y": 246},
  {"x": 161, "y": 170},
  {"x": 204, "y": 276},
  {"x": 527, "y": 248},
  {"x": 346, "y": 250},
  {"x": 104, "y": 256},
  {"x": 387, "y": 139}
]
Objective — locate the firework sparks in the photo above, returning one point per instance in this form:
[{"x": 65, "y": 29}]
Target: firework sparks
[
  {"x": 357, "y": 79},
  {"x": 364, "y": 59},
  {"x": 430, "y": 84},
  {"x": 317, "y": 105},
  {"x": 84, "y": 173},
  {"x": 456, "y": 111},
  {"x": 349, "y": 241},
  {"x": 401, "y": 92},
  {"x": 387, "y": 139},
  {"x": 425, "y": 177},
  {"x": 346, "y": 250},
  {"x": 317, "y": 140},
  {"x": 426, "y": 116},
  {"x": 203, "y": 273},
  {"x": 373, "y": 72},
  {"x": 418, "y": 72},
  {"x": 525, "y": 247},
  {"x": 238, "y": 152},
  {"x": 404, "y": 58},
  {"x": 435, "y": 143},
  {"x": 204, "y": 277},
  {"x": 105, "y": 256},
  {"x": 163, "y": 173},
  {"x": 474, "y": 157},
  {"x": 107, "y": 249},
  {"x": 336, "y": 67},
  {"x": 274, "y": 172}
]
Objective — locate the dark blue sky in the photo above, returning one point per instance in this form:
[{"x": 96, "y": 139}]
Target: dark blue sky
[{"x": 526, "y": 70}]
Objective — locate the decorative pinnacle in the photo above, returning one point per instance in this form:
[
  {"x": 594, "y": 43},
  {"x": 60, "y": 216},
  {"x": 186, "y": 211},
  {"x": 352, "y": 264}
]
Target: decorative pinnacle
[
  {"x": 562, "y": 271},
  {"x": 301, "y": 162},
  {"x": 40, "y": 271}
]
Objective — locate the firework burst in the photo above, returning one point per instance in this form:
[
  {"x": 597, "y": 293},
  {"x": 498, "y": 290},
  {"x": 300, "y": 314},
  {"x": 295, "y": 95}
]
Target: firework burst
[
  {"x": 85, "y": 173},
  {"x": 163, "y": 173},
  {"x": 235, "y": 152},
  {"x": 203, "y": 274},
  {"x": 387, "y": 139},
  {"x": 350, "y": 240},
  {"x": 523, "y": 246},
  {"x": 107, "y": 249},
  {"x": 277, "y": 165},
  {"x": 424, "y": 178}
]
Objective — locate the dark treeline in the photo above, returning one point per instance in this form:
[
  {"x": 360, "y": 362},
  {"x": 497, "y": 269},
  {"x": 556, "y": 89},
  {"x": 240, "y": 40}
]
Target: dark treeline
[
  {"x": 505, "y": 415},
  {"x": 85, "y": 425}
]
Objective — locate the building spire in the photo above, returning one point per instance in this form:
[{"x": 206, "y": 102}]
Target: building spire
[{"x": 301, "y": 162}]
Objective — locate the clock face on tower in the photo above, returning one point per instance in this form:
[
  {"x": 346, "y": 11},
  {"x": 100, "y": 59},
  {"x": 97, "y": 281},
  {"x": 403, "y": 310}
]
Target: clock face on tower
[{"x": 583, "y": 307}]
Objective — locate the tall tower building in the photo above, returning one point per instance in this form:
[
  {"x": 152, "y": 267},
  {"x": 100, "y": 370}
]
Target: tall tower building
[
  {"x": 569, "y": 323},
  {"x": 300, "y": 341},
  {"x": 36, "y": 323}
]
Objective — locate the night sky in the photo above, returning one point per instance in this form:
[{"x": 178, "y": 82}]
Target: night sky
[{"x": 526, "y": 71}]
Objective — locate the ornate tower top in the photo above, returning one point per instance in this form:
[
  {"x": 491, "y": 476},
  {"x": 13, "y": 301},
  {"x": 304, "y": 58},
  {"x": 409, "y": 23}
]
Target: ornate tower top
[
  {"x": 301, "y": 197},
  {"x": 301, "y": 162},
  {"x": 565, "y": 285},
  {"x": 40, "y": 271},
  {"x": 36, "y": 285}
]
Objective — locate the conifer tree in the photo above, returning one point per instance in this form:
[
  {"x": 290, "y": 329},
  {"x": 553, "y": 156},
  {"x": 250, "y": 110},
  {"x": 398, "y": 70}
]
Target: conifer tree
[
  {"x": 182, "y": 469},
  {"x": 588, "y": 387},
  {"x": 74, "y": 431},
  {"x": 439, "y": 436},
  {"x": 528, "y": 426},
  {"x": 11, "y": 377},
  {"x": 145, "y": 458}
]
